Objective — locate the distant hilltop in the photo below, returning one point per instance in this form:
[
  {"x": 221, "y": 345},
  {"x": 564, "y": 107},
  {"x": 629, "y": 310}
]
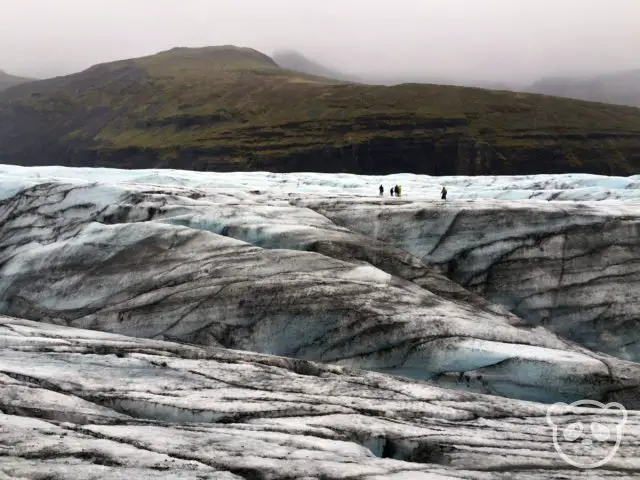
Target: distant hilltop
[
  {"x": 227, "y": 108},
  {"x": 7, "y": 80},
  {"x": 621, "y": 88},
  {"x": 294, "y": 60}
]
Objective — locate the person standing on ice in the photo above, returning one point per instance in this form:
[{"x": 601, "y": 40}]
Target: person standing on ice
[
  {"x": 443, "y": 192},
  {"x": 381, "y": 190},
  {"x": 391, "y": 190},
  {"x": 398, "y": 191}
]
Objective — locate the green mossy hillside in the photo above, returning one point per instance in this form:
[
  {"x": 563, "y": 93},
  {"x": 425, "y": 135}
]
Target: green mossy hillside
[{"x": 232, "y": 108}]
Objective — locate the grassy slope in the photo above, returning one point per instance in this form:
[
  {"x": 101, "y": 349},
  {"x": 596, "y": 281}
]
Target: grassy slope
[{"x": 238, "y": 104}]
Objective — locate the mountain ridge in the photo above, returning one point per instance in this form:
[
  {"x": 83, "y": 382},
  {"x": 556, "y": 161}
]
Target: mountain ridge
[
  {"x": 8, "y": 80},
  {"x": 231, "y": 108},
  {"x": 294, "y": 60},
  {"x": 621, "y": 88}
]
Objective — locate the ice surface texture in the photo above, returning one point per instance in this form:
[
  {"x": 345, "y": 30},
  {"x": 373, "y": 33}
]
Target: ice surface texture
[
  {"x": 78, "y": 404},
  {"x": 578, "y": 187},
  {"x": 572, "y": 267},
  {"x": 289, "y": 275},
  {"x": 482, "y": 294}
]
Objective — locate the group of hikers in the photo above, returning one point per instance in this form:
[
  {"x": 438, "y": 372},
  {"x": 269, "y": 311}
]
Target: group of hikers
[{"x": 397, "y": 191}]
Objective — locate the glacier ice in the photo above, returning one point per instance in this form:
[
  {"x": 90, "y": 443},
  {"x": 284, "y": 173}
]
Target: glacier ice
[
  {"x": 521, "y": 287},
  {"x": 570, "y": 267},
  {"x": 139, "y": 408},
  {"x": 569, "y": 187},
  {"x": 353, "y": 281}
]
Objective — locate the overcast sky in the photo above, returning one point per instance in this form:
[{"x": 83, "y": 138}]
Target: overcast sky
[{"x": 510, "y": 40}]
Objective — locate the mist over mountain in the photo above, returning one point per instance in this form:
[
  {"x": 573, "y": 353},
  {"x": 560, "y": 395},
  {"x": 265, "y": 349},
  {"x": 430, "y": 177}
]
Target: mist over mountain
[
  {"x": 294, "y": 60},
  {"x": 621, "y": 88},
  {"x": 7, "y": 80}
]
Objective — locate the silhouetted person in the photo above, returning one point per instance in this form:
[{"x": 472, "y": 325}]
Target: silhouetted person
[
  {"x": 444, "y": 193},
  {"x": 381, "y": 190},
  {"x": 396, "y": 191},
  {"x": 391, "y": 190}
]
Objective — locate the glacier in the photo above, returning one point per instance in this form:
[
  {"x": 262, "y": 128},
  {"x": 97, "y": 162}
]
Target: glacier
[
  {"x": 569, "y": 187},
  {"x": 85, "y": 404},
  {"x": 140, "y": 285}
]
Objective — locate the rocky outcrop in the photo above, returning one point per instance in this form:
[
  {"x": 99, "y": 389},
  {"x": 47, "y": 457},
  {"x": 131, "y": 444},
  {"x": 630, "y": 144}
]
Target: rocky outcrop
[
  {"x": 438, "y": 154},
  {"x": 77, "y": 404}
]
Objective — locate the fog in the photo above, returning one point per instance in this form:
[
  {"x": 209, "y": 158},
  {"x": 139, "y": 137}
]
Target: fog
[{"x": 495, "y": 40}]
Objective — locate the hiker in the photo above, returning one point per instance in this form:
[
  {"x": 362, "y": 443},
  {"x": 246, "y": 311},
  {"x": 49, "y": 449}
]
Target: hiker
[
  {"x": 381, "y": 190},
  {"x": 444, "y": 193},
  {"x": 399, "y": 190},
  {"x": 391, "y": 190},
  {"x": 396, "y": 190}
]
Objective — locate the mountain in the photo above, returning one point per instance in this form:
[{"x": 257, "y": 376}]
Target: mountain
[
  {"x": 391, "y": 79},
  {"x": 229, "y": 108},
  {"x": 621, "y": 88},
  {"x": 7, "y": 80},
  {"x": 293, "y": 60}
]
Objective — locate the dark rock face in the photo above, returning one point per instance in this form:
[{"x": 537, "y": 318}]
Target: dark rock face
[
  {"x": 455, "y": 154},
  {"x": 450, "y": 154}
]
